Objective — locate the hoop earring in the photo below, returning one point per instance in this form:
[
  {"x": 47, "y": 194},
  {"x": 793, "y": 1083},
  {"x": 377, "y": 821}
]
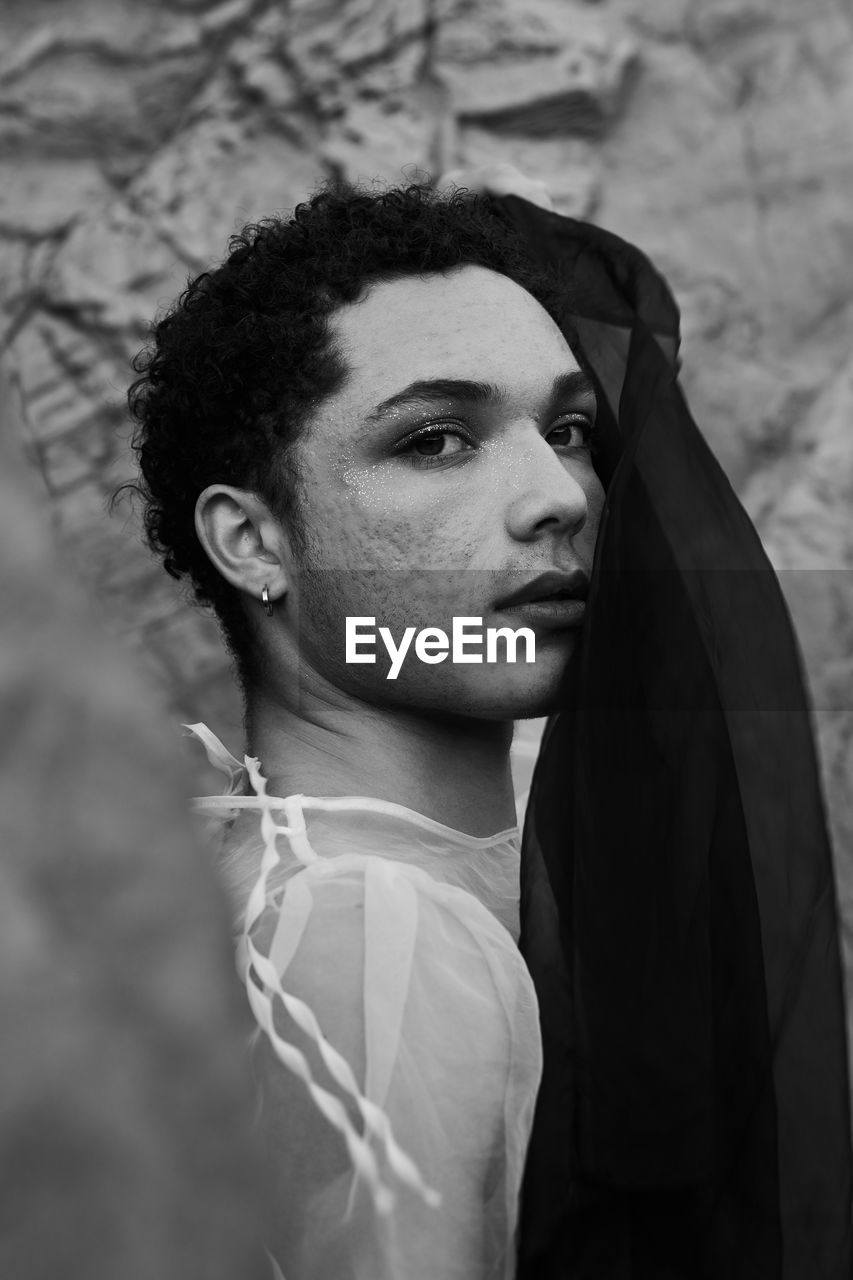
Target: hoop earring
[{"x": 265, "y": 596}]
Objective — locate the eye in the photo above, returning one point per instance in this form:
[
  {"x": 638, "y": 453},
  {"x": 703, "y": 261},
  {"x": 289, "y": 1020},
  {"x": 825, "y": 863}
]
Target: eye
[
  {"x": 576, "y": 433},
  {"x": 433, "y": 446}
]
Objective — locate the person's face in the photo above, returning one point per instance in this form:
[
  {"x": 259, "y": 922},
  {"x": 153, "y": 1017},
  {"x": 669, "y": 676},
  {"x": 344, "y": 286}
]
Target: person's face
[{"x": 423, "y": 504}]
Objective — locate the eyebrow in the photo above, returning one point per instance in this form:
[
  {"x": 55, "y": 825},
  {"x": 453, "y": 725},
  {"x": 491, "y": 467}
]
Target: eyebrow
[{"x": 566, "y": 386}]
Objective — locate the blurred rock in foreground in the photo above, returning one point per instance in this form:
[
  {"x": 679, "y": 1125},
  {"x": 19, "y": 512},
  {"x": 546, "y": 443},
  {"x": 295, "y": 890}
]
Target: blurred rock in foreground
[{"x": 124, "y": 1105}]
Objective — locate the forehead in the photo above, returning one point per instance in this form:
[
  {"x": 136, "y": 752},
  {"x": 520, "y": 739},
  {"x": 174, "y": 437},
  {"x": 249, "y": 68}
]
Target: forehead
[{"x": 468, "y": 323}]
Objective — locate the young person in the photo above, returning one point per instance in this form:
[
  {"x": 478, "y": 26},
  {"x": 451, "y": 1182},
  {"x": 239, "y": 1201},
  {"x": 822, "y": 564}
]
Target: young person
[
  {"x": 369, "y": 413},
  {"x": 388, "y": 409}
]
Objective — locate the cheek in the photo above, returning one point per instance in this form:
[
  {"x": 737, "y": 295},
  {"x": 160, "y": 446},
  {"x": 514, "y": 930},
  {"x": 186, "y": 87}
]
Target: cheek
[
  {"x": 395, "y": 598},
  {"x": 364, "y": 522}
]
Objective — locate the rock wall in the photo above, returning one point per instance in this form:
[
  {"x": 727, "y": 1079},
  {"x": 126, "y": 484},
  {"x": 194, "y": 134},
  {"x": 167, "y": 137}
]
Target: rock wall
[{"x": 715, "y": 133}]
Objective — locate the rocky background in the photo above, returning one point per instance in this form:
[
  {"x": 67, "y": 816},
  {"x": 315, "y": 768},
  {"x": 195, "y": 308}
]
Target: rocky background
[{"x": 135, "y": 137}]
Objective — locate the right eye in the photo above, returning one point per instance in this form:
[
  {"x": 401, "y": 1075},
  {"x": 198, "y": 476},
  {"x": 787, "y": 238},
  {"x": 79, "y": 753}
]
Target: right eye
[{"x": 433, "y": 446}]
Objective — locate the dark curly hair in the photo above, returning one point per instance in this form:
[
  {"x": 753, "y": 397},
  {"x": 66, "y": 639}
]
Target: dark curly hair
[{"x": 245, "y": 355}]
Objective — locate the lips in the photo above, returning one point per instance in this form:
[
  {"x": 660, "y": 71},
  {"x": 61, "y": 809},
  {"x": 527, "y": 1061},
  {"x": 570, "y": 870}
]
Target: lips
[{"x": 552, "y": 586}]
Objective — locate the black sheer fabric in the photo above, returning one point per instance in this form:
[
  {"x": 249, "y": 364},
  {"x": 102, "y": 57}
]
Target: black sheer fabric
[{"x": 678, "y": 900}]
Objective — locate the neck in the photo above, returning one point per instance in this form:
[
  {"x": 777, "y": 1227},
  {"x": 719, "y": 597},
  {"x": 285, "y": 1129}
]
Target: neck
[{"x": 456, "y": 772}]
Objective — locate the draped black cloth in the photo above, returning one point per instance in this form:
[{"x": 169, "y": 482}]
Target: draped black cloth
[{"x": 678, "y": 900}]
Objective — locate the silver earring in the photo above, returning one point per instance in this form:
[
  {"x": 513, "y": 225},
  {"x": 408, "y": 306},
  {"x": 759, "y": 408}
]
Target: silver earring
[{"x": 265, "y": 596}]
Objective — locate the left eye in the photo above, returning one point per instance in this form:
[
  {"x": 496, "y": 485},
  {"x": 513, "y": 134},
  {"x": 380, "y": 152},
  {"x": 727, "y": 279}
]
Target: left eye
[{"x": 562, "y": 434}]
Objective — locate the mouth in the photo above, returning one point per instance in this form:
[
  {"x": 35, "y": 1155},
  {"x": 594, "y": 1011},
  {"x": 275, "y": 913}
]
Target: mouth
[
  {"x": 554, "y": 600},
  {"x": 552, "y": 586}
]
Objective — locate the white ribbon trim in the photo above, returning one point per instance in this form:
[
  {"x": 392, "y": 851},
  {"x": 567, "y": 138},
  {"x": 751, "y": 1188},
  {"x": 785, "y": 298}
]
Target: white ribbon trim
[{"x": 263, "y": 987}]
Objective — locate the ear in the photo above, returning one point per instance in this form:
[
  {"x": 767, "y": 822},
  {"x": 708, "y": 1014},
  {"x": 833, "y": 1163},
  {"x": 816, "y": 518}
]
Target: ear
[{"x": 243, "y": 540}]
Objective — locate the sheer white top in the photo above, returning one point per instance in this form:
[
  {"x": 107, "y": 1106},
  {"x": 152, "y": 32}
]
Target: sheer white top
[{"x": 400, "y": 1055}]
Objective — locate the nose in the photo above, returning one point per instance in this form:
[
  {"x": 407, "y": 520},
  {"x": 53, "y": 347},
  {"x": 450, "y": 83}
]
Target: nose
[{"x": 547, "y": 496}]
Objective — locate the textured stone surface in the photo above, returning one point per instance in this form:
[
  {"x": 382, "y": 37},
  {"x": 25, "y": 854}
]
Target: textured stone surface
[
  {"x": 714, "y": 133},
  {"x": 536, "y": 70}
]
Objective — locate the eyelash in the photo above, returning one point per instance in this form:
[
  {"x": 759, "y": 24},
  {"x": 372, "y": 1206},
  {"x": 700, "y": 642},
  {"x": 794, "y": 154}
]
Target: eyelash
[{"x": 424, "y": 462}]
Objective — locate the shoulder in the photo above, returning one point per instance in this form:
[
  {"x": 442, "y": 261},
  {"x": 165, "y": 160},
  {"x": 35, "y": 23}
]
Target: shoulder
[
  {"x": 397, "y": 967},
  {"x": 414, "y": 1022},
  {"x": 347, "y": 922}
]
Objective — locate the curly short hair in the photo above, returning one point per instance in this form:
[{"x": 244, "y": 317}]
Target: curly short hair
[{"x": 241, "y": 361}]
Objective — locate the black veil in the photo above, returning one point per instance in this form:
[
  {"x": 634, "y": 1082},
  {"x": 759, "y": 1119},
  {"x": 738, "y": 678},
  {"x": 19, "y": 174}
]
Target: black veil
[{"x": 678, "y": 900}]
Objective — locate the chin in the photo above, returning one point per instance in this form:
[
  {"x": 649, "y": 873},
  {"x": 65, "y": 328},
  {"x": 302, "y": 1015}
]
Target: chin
[
  {"x": 507, "y": 693},
  {"x": 518, "y": 693},
  {"x": 534, "y": 706}
]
